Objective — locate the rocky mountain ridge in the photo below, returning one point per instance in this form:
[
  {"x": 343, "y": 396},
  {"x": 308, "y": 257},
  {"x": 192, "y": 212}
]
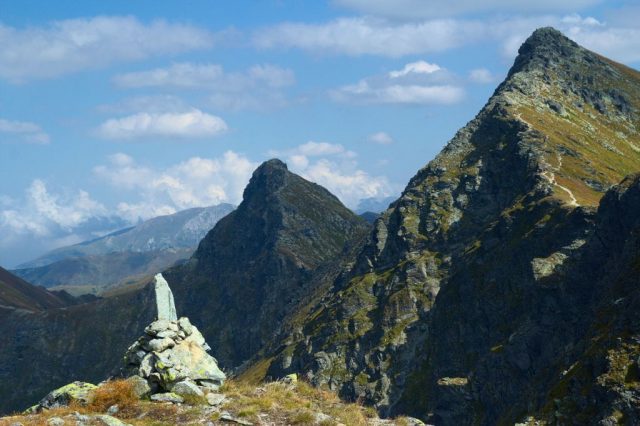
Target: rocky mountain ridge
[{"x": 455, "y": 273}]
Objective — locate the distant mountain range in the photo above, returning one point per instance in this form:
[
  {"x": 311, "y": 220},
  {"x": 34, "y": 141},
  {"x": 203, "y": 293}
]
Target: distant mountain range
[{"x": 125, "y": 255}]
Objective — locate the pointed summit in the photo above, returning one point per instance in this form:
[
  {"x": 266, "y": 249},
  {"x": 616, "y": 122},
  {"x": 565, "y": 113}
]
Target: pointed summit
[
  {"x": 267, "y": 178},
  {"x": 544, "y": 47},
  {"x": 259, "y": 261}
]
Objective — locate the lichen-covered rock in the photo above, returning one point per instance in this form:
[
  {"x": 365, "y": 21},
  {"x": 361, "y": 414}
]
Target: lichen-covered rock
[
  {"x": 187, "y": 388},
  {"x": 167, "y": 397},
  {"x": 63, "y": 396},
  {"x": 107, "y": 420},
  {"x": 175, "y": 361}
]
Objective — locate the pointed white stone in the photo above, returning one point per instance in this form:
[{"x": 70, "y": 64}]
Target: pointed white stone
[{"x": 164, "y": 300}]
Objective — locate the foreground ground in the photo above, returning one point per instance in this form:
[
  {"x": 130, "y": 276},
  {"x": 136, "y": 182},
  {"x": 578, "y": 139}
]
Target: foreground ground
[{"x": 278, "y": 403}]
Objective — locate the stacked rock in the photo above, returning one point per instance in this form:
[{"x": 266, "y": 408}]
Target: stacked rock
[{"x": 172, "y": 354}]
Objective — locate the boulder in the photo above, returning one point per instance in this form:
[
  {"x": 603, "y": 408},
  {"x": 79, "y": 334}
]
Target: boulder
[
  {"x": 187, "y": 388},
  {"x": 61, "y": 397},
  {"x": 140, "y": 386},
  {"x": 215, "y": 399},
  {"x": 167, "y": 397}
]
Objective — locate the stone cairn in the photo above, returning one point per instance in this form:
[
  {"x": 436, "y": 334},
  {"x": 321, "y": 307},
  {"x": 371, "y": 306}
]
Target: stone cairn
[{"x": 170, "y": 360}]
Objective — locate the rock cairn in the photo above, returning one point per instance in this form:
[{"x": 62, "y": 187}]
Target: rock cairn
[{"x": 172, "y": 355}]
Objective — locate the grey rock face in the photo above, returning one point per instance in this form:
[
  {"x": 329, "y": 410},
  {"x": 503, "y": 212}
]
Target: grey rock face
[
  {"x": 62, "y": 397},
  {"x": 164, "y": 300},
  {"x": 167, "y": 397},
  {"x": 187, "y": 387}
]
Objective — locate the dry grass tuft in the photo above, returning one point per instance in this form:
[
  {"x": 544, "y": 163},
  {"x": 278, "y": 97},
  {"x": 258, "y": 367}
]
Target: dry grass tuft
[{"x": 115, "y": 392}]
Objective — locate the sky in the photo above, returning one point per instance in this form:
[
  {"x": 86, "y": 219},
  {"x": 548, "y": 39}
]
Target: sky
[{"x": 115, "y": 112}]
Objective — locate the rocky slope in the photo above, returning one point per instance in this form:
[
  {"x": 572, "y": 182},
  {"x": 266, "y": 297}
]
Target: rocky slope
[
  {"x": 15, "y": 293},
  {"x": 459, "y": 309},
  {"x": 44, "y": 349},
  {"x": 258, "y": 262},
  {"x": 125, "y": 255}
]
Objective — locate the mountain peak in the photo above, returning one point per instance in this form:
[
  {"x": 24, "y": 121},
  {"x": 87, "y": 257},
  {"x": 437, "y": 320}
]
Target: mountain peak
[
  {"x": 268, "y": 178},
  {"x": 272, "y": 165},
  {"x": 542, "y": 48}
]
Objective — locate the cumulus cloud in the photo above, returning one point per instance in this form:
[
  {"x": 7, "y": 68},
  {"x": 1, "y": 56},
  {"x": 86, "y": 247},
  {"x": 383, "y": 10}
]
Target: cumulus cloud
[
  {"x": 481, "y": 76},
  {"x": 67, "y": 46},
  {"x": 22, "y": 131},
  {"x": 381, "y": 138},
  {"x": 190, "y": 124},
  {"x": 418, "y": 83},
  {"x": 194, "y": 182},
  {"x": 369, "y": 35},
  {"x": 419, "y": 9},
  {"x": 336, "y": 168},
  {"x": 258, "y": 87},
  {"x": 420, "y": 67},
  {"x": 43, "y": 212},
  {"x": 44, "y": 219}
]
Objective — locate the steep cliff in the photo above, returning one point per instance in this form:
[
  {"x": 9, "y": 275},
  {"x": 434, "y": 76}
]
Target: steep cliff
[{"x": 458, "y": 308}]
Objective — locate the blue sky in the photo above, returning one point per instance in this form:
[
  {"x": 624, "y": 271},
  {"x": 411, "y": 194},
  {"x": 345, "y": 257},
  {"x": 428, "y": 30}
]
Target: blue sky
[{"x": 112, "y": 112}]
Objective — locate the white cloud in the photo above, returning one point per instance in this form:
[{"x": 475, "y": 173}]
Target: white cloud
[
  {"x": 336, "y": 168},
  {"x": 42, "y": 211},
  {"x": 43, "y": 220},
  {"x": 190, "y": 124},
  {"x": 368, "y": 36},
  {"x": 621, "y": 44},
  {"x": 317, "y": 149},
  {"x": 381, "y": 138},
  {"x": 72, "y": 45},
  {"x": 420, "y": 67},
  {"x": 23, "y": 131},
  {"x": 481, "y": 76},
  {"x": 194, "y": 182},
  {"x": 397, "y": 94},
  {"x": 418, "y": 83},
  {"x": 146, "y": 103},
  {"x": 376, "y": 36},
  {"x": 420, "y": 9},
  {"x": 258, "y": 87}
]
